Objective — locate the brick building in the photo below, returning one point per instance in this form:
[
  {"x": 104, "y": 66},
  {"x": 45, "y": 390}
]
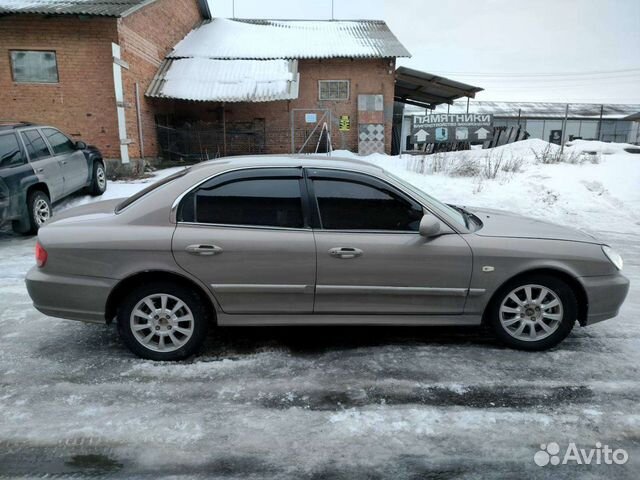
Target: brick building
[
  {"x": 60, "y": 65},
  {"x": 149, "y": 78},
  {"x": 251, "y": 85}
]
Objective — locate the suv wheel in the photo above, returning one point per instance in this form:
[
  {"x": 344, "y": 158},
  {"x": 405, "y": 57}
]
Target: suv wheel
[
  {"x": 98, "y": 179},
  {"x": 163, "y": 321},
  {"x": 38, "y": 212},
  {"x": 535, "y": 312}
]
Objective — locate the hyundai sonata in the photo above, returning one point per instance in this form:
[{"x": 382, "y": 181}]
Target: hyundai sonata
[{"x": 314, "y": 241}]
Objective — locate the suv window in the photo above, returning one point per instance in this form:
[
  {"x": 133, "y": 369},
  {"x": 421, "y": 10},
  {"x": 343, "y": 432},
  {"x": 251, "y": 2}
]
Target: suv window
[
  {"x": 10, "y": 152},
  {"x": 351, "y": 205},
  {"x": 36, "y": 146},
  {"x": 58, "y": 141},
  {"x": 270, "y": 202}
]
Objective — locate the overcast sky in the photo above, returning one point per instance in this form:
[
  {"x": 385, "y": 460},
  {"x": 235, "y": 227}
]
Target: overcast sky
[{"x": 518, "y": 50}]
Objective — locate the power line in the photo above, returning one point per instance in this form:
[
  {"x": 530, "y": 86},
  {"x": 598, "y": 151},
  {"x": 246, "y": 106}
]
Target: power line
[{"x": 539, "y": 74}]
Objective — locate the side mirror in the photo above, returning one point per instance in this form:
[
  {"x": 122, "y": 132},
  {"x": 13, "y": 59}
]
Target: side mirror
[
  {"x": 429, "y": 226},
  {"x": 80, "y": 145}
]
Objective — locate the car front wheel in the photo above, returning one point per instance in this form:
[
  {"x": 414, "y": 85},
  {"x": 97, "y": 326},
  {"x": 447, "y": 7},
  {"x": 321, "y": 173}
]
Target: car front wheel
[
  {"x": 163, "y": 321},
  {"x": 99, "y": 180},
  {"x": 535, "y": 312}
]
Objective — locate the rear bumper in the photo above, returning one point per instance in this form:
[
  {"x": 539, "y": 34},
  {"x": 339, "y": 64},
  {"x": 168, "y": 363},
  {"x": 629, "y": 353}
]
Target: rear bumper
[
  {"x": 71, "y": 297},
  {"x": 605, "y": 295}
]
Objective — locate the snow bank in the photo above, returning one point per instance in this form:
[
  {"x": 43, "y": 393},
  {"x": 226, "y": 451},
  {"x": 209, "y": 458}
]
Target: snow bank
[{"x": 598, "y": 191}]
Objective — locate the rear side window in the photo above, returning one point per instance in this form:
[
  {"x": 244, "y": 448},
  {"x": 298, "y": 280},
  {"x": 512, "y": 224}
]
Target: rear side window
[
  {"x": 10, "y": 152},
  {"x": 269, "y": 202},
  {"x": 134, "y": 198},
  {"x": 58, "y": 141},
  {"x": 350, "y": 205},
  {"x": 36, "y": 146}
]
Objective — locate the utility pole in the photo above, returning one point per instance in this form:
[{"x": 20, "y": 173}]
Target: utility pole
[
  {"x": 564, "y": 128},
  {"x": 233, "y": 8},
  {"x": 332, "y": 16}
]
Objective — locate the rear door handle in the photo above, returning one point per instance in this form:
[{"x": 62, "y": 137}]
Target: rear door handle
[
  {"x": 63, "y": 162},
  {"x": 203, "y": 249},
  {"x": 345, "y": 252}
]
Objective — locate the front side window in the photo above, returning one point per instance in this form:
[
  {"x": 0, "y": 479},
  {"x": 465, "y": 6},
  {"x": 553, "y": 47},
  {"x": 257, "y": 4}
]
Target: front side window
[
  {"x": 10, "y": 152},
  {"x": 35, "y": 144},
  {"x": 333, "y": 89},
  {"x": 269, "y": 202},
  {"x": 34, "y": 66},
  {"x": 350, "y": 205},
  {"x": 58, "y": 141}
]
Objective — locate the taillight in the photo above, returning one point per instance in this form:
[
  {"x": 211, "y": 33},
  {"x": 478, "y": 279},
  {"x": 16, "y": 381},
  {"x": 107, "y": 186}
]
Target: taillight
[{"x": 41, "y": 255}]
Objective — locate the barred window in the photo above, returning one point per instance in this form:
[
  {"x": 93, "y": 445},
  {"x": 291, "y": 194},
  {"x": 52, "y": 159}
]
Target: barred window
[
  {"x": 34, "y": 66},
  {"x": 333, "y": 89}
]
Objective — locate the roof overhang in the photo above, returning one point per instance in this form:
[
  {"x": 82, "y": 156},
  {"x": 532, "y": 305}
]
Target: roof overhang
[
  {"x": 428, "y": 90},
  {"x": 214, "y": 80}
]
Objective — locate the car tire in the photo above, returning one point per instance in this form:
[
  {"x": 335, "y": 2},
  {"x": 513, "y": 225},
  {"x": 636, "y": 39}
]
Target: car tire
[
  {"x": 539, "y": 302},
  {"x": 98, "y": 179},
  {"x": 173, "y": 330},
  {"x": 39, "y": 210}
]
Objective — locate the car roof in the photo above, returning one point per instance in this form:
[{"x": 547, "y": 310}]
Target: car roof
[{"x": 279, "y": 160}]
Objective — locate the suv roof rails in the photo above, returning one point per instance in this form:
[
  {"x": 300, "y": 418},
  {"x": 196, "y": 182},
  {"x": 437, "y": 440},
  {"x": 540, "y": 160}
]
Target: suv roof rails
[{"x": 6, "y": 124}]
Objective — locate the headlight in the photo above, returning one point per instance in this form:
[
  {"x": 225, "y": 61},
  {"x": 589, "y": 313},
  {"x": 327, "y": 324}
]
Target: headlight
[{"x": 614, "y": 256}]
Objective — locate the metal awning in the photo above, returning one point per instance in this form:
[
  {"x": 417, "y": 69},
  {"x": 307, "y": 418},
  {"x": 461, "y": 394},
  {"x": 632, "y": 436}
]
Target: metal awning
[{"x": 427, "y": 90}]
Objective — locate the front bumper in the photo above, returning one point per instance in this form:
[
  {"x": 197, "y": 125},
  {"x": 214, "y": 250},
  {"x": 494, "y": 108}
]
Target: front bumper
[
  {"x": 71, "y": 297},
  {"x": 605, "y": 295}
]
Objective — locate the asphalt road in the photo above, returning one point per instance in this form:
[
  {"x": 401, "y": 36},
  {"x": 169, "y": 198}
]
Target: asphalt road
[{"x": 318, "y": 403}]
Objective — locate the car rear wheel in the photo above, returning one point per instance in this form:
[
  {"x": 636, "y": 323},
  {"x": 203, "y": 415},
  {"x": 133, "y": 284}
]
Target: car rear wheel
[
  {"x": 535, "y": 312},
  {"x": 38, "y": 212},
  {"x": 98, "y": 180},
  {"x": 163, "y": 321}
]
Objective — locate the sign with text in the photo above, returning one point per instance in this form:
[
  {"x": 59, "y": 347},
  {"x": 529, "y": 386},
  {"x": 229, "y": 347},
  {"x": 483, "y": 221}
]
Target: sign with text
[{"x": 452, "y": 127}]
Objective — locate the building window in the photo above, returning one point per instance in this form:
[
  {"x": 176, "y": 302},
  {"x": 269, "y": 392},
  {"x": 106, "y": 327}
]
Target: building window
[
  {"x": 34, "y": 66},
  {"x": 333, "y": 89}
]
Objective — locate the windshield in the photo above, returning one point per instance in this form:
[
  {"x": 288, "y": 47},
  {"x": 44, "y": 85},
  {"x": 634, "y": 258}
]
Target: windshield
[
  {"x": 150, "y": 188},
  {"x": 441, "y": 208}
]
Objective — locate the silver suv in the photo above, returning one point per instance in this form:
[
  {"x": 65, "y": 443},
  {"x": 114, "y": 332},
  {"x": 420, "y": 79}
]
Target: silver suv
[{"x": 40, "y": 165}]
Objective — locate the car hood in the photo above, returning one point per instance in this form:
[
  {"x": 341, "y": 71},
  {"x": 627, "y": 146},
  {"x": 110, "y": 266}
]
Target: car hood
[
  {"x": 499, "y": 223},
  {"x": 89, "y": 211}
]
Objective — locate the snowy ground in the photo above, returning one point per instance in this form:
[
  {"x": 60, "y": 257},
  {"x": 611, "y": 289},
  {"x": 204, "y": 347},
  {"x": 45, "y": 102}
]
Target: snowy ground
[{"x": 350, "y": 403}]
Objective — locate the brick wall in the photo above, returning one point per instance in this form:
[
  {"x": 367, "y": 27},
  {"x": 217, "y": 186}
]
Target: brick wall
[
  {"x": 146, "y": 36},
  {"x": 82, "y": 103},
  {"x": 371, "y": 76}
]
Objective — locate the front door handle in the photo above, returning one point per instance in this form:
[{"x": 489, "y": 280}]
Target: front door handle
[
  {"x": 203, "y": 249},
  {"x": 345, "y": 252},
  {"x": 63, "y": 162},
  {"x": 40, "y": 170}
]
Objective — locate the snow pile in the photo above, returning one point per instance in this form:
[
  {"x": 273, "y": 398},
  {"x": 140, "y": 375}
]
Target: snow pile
[{"x": 592, "y": 185}]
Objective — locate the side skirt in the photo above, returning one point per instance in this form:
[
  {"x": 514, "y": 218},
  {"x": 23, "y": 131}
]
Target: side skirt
[{"x": 346, "y": 319}]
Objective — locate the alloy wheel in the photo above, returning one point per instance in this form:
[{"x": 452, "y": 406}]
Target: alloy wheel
[
  {"x": 101, "y": 177},
  {"x": 531, "y": 312},
  {"x": 161, "y": 322},
  {"x": 41, "y": 211}
]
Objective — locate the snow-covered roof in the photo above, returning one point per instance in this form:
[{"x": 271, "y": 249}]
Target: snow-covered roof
[
  {"x": 205, "y": 79},
  {"x": 224, "y": 38},
  {"x": 256, "y": 60},
  {"x": 105, "y": 8}
]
